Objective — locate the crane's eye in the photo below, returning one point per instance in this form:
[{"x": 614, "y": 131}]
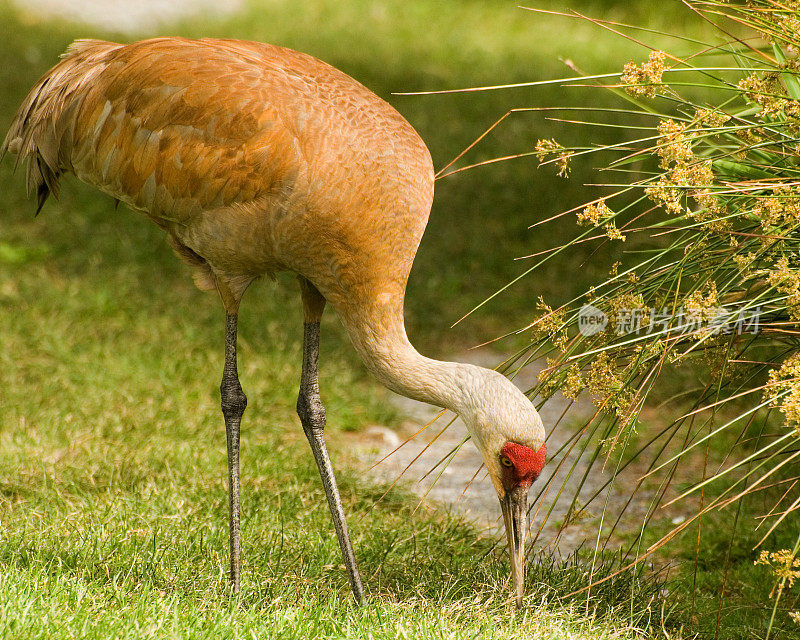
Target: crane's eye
[{"x": 506, "y": 462}]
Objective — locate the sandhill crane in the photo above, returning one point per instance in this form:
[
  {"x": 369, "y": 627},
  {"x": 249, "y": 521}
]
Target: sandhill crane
[{"x": 254, "y": 159}]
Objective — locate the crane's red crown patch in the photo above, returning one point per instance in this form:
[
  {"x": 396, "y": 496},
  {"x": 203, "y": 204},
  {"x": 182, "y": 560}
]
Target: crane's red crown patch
[{"x": 526, "y": 463}]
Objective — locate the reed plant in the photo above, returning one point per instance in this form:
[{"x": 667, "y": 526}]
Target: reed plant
[{"x": 690, "y": 348}]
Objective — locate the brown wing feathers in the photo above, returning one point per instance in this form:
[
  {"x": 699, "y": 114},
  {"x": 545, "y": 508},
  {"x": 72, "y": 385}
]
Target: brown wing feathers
[
  {"x": 41, "y": 132},
  {"x": 252, "y": 157}
]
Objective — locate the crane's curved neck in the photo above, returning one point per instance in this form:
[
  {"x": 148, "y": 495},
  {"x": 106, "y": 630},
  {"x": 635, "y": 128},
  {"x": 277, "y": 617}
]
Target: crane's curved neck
[{"x": 379, "y": 336}]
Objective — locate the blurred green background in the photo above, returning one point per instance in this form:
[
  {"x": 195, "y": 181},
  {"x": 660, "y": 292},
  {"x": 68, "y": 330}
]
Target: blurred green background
[{"x": 480, "y": 219}]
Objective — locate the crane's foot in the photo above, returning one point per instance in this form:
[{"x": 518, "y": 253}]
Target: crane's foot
[
  {"x": 233, "y": 405},
  {"x": 312, "y": 417}
]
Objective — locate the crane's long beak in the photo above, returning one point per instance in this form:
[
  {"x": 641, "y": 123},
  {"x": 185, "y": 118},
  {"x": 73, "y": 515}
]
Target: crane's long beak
[{"x": 515, "y": 512}]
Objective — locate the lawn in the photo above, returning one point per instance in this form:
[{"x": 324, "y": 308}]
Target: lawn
[{"x": 112, "y": 451}]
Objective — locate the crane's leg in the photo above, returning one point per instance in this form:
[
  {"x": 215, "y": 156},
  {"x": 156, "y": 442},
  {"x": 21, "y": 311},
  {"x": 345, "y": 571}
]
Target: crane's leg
[
  {"x": 233, "y": 404},
  {"x": 312, "y": 417}
]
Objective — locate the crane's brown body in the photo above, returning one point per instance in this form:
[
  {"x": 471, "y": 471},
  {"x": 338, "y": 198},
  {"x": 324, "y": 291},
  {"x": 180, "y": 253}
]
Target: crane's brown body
[
  {"x": 253, "y": 158},
  {"x": 256, "y": 159}
]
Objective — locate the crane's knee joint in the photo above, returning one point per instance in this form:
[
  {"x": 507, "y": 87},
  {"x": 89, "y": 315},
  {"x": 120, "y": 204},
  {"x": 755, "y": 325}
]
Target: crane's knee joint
[
  {"x": 311, "y": 412},
  {"x": 234, "y": 401}
]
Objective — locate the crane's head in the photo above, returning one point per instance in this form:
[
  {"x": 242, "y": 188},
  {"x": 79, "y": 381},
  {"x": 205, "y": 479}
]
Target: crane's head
[{"x": 509, "y": 433}]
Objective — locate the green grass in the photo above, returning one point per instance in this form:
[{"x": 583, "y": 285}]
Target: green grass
[
  {"x": 726, "y": 567},
  {"x": 715, "y": 586},
  {"x": 112, "y": 449}
]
